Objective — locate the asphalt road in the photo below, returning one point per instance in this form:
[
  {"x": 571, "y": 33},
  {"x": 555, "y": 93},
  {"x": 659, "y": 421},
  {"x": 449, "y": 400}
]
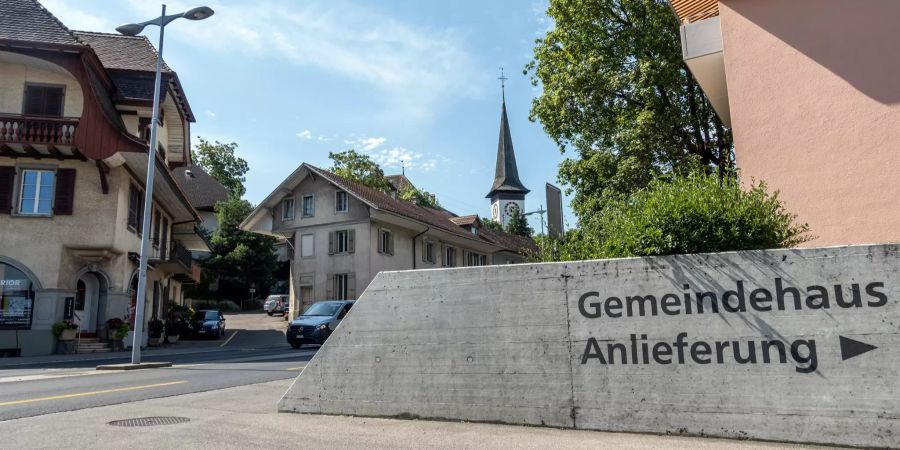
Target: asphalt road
[{"x": 256, "y": 353}]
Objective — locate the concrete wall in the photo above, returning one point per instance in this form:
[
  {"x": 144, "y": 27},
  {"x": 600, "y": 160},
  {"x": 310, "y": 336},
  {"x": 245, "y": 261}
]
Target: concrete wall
[
  {"x": 524, "y": 344},
  {"x": 814, "y": 93}
]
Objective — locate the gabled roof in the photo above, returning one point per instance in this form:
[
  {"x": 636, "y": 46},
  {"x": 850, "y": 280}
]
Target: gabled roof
[
  {"x": 506, "y": 174},
  {"x": 399, "y": 182},
  {"x": 28, "y": 21},
  {"x": 202, "y": 190},
  {"x": 466, "y": 220}
]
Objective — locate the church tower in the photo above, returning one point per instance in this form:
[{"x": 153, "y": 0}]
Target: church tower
[{"x": 507, "y": 193}]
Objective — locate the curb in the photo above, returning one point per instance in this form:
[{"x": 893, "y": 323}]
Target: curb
[{"x": 129, "y": 366}]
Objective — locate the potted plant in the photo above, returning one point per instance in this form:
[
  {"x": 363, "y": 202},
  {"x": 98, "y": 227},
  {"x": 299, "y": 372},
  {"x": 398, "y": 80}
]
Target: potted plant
[
  {"x": 120, "y": 332},
  {"x": 155, "y": 328},
  {"x": 112, "y": 327},
  {"x": 173, "y": 331},
  {"x": 65, "y": 330}
]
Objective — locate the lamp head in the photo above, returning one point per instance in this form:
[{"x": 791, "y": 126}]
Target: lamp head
[
  {"x": 198, "y": 13},
  {"x": 132, "y": 29}
]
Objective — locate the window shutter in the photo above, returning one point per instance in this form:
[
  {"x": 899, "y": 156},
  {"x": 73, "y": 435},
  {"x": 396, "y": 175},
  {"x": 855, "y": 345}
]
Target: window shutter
[
  {"x": 330, "y": 244},
  {"x": 381, "y": 241},
  {"x": 351, "y": 286},
  {"x": 7, "y": 183},
  {"x": 391, "y": 244},
  {"x": 329, "y": 288},
  {"x": 65, "y": 192},
  {"x": 424, "y": 251},
  {"x": 351, "y": 238}
]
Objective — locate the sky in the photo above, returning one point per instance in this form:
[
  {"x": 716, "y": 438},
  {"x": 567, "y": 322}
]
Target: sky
[{"x": 401, "y": 80}]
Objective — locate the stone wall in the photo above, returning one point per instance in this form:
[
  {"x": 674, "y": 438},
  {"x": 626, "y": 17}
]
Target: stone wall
[{"x": 778, "y": 346}]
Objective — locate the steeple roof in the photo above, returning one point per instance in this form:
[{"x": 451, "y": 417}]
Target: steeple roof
[{"x": 506, "y": 174}]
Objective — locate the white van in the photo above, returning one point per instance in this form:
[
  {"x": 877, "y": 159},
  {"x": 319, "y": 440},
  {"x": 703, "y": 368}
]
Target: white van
[{"x": 275, "y": 304}]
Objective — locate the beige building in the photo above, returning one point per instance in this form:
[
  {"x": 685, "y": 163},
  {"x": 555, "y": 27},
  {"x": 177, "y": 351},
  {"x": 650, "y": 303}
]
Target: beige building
[
  {"x": 75, "y": 110},
  {"x": 811, "y": 89}
]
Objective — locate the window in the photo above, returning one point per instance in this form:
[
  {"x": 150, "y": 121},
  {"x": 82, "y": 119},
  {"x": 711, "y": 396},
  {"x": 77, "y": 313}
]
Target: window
[
  {"x": 341, "y": 242},
  {"x": 476, "y": 259},
  {"x": 340, "y": 201},
  {"x": 156, "y": 226},
  {"x": 36, "y": 192},
  {"x": 309, "y": 206},
  {"x": 449, "y": 256},
  {"x": 428, "y": 251},
  {"x": 474, "y": 230},
  {"x": 306, "y": 246},
  {"x": 135, "y": 208},
  {"x": 287, "y": 209},
  {"x": 385, "y": 242},
  {"x": 42, "y": 100},
  {"x": 164, "y": 235},
  {"x": 341, "y": 286}
]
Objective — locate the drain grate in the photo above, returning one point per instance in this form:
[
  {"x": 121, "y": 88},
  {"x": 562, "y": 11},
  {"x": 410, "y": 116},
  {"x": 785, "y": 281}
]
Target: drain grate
[{"x": 149, "y": 421}]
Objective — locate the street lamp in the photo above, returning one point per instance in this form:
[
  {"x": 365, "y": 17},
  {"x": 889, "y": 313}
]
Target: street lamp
[
  {"x": 133, "y": 29},
  {"x": 540, "y": 211}
]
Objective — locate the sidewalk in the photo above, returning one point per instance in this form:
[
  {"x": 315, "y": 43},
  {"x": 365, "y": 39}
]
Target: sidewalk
[
  {"x": 181, "y": 348},
  {"x": 245, "y": 417}
]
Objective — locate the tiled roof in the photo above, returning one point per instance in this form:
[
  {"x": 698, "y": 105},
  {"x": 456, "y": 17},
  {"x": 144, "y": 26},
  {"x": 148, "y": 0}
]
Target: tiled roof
[
  {"x": 465, "y": 220},
  {"x": 121, "y": 52},
  {"x": 400, "y": 182},
  {"x": 28, "y": 21},
  {"x": 436, "y": 218},
  {"x": 201, "y": 189}
]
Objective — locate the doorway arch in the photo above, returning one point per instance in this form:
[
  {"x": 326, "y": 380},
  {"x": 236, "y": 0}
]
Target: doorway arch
[{"x": 91, "y": 289}]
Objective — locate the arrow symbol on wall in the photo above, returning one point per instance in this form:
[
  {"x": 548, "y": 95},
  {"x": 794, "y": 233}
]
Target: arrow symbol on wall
[{"x": 851, "y": 348}]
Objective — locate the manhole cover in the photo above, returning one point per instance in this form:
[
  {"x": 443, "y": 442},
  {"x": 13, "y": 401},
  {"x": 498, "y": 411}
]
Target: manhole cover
[{"x": 149, "y": 421}]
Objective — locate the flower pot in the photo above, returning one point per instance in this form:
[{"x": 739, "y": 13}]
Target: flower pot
[
  {"x": 129, "y": 340},
  {"x": 111, "y": 335},
  {"x": 172, "y": 339},
  {"x": 68, "y": 334}
]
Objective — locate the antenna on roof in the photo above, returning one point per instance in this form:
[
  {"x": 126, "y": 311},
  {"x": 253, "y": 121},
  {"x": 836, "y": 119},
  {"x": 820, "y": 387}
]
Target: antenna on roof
[
  {"x": 402, "y": 168},
  {"x": 503, "y": 84}
]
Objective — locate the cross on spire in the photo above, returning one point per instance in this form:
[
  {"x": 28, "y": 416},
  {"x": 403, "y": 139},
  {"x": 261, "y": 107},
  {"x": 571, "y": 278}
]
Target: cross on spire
[{"x": 503, "y": 84}]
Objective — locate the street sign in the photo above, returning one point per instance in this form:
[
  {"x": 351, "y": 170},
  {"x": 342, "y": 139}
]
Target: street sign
[{"x": 69, "y": 308}]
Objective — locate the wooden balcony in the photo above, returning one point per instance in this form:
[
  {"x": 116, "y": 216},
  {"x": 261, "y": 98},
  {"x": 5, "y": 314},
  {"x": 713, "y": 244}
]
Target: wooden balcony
[
  {"x": 174, "y": 258},
  {"x": 38, "y": 137}
]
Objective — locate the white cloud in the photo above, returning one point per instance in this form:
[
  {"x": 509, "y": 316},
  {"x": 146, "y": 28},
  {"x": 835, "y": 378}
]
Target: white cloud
[
  {"x": 365, "y": 144},
  {"x": 397, "y": 157},
  {"x": 210, "y": 114},
  {"x": 416, "y": 68},
  {"x": 305, "y": 134}
]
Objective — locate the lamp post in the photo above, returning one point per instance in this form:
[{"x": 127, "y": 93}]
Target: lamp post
[
  {"x": 133, "y": 29},
  {"x": 540, "y": 211}
]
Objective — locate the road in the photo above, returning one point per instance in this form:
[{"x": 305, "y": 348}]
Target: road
[{"x": 254, "y": 351}]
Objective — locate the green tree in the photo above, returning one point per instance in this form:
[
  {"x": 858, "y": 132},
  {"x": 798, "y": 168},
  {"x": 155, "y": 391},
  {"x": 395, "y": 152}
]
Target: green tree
[
  {"x": 239, "y": 258},
  {"x": 694, "y": 213},
  {"x": 491, "y": 224},
  {"x": 360, "y": 168},
  {"x": 518, "y": 224},
  {"x": 616, "y": 91},
  {"x": 221, "y": 163}
]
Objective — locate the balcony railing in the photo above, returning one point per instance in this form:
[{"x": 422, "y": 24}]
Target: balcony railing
[
  {"x": 37, "y": 130},
  {"x": 172, "y": 252}
]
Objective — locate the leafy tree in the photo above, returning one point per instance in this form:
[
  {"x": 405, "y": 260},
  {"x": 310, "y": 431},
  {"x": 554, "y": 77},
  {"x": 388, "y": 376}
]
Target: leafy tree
[
  {"x": 518, "y": 224},
  {"x": 360, "y": 168},
  {"x": 694, "y": 213},
  {"x": 220, "y": 162},
  {"x": 616, "y": 91},
  {"x": 239, "y": 258},
  {"x": 491, "y": 224}
]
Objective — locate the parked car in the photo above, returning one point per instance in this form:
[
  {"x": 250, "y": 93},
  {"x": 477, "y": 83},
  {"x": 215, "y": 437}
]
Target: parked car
[
  {"x": 275, "y": 304},
  {"x": 208, "y": 323},
  {"x": 317, "y": 322}
]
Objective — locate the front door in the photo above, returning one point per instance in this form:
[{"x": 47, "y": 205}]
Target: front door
[
  {"x": 86, "y": 293},
  {"x": 305, "y": 300}
]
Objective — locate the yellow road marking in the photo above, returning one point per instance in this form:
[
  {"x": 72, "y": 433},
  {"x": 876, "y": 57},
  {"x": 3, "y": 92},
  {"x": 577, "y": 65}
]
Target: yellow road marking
[
  {"x": 229, "y": 339},
  {"x": 86, "y": 394},
  {"x": 295, "y": 368}
]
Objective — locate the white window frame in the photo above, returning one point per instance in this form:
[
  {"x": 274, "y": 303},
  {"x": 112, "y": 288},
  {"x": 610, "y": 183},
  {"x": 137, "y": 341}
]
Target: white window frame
[
  {"x": 341, "y": 286},
  {"x": 474, "y": 259},
  {"x": 20, "y": 197},
  {"x": 337, "y": 203},
  {"x": 341, "y": 237},
  {"x": 303, "y": 198},
  {"x": 312, "y": 246},
  {"x": 385, "y": 247},
  {"x": 287, "y": 213}
]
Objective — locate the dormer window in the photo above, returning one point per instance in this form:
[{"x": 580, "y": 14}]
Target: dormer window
[
  {"x": 474, "y": 230},
  {"x": 43, "y": 100}
]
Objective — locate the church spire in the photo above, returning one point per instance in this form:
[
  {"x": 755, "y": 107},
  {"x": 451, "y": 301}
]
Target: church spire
[{"x": 506, "y": 174}]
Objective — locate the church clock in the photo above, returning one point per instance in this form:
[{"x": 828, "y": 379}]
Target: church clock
[{"x": 511, "y": 209}]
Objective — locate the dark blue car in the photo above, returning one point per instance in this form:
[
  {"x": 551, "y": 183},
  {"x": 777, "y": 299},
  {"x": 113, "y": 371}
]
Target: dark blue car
[
  {"x": 317, "y": 322},
  {"x": 208, "y": 323}
]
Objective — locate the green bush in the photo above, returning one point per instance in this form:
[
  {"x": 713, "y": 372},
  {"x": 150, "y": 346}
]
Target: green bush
[{"x": 696, "y": 213}]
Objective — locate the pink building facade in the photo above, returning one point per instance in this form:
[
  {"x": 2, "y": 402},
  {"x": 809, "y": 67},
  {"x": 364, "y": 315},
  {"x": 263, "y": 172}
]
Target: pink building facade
[{"x": 811, "y": 89}]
